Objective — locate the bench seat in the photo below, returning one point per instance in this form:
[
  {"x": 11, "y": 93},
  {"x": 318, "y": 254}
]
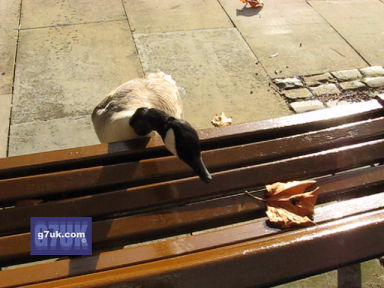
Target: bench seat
[{"x": 155, "y": 224}]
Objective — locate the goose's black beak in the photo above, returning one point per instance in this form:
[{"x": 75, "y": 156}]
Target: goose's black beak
[{"x": 199, "y": 167}]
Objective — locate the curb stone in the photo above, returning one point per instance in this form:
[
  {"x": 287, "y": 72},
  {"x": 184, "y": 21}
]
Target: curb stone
[{"x": 306, "y": 106}]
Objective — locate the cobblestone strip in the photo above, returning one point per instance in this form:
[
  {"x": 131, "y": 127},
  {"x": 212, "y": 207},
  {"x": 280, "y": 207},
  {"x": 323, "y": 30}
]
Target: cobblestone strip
[{"x": 313, "y": 92}]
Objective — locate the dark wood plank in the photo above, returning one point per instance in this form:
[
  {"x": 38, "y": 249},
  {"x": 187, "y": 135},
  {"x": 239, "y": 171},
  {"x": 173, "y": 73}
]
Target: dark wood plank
[
  {"x": 166, "y": 168},
  {"x": 217, "y": 137},
  {"x": 183, "y": 190},
  {"x": 197, "y": 216},
  {"x": 81, "y": 157},
  {"x": 172, "y": 263},
  {"x": 143, "y": 227}
]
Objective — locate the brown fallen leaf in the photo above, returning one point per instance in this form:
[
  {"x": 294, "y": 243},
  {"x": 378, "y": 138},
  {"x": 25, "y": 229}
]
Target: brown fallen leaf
[
  {"x": 282, "y": 218},
  {"x": 254, "y": 3},
  {"x": 289, "y": 205},
  {"x": 221, "y": 120}
]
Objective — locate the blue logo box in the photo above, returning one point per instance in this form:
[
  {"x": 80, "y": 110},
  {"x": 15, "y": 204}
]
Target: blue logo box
[{"x": 61, "y": 235}]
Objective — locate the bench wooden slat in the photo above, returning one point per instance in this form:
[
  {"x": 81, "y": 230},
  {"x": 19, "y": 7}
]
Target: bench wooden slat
[
  {"x": 98, "y": 154},
  {"x": 179, "y": 191},
  {"x": 133, "y": 255},
  {"x": 147, "y": 226},
  {"x": 87, "y": 156},
  {"x": 282, "y": 256},
  {"x": 161, "y": 169},
  {"x": 197, "y": 216}
]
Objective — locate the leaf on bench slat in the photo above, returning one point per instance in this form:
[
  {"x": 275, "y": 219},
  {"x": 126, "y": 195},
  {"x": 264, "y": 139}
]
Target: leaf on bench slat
[{"x": 288, "y": 204}]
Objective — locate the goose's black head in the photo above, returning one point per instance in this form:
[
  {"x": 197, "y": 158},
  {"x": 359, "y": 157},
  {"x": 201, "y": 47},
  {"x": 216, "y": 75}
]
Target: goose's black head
[{"x": 179, "y": 137}]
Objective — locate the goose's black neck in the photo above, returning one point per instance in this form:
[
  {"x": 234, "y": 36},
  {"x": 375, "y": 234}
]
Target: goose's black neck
[
  {"x": 146, "y": 120},
  {"x": 159, "y": 121},
  {"x": 183, "y": 142}
]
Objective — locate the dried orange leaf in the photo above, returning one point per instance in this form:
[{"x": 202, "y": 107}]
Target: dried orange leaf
[
  {"x": 288, "y": 188},
  {"x": 300, "y": 204},
  {"x": 254, "y": 3},
  {"x": 282, "y": 218},
  {"x": 289, "y": 205},
  {"x": 221, "y": 120}
]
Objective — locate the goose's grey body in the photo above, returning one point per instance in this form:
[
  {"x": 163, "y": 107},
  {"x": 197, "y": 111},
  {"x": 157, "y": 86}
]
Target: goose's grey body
[
  {"x": 111, "y": 116},
  {"x": 141, "y": 106}
]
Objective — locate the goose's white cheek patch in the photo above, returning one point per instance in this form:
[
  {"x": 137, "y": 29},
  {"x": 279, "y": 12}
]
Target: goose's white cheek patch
[{"x": 169, "y": 141}]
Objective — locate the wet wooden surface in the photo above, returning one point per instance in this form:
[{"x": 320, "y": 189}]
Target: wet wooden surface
[
  {"x": 166, "y": 168},
  {"x": 218, "y": 137},
  {"x": 136, "y": 193},
  {"x": 198, "y": 216},
  {"x": 186, "y": 244},
  {"x": 283, "y": 256},
  {"x": 188, "y": 189}
]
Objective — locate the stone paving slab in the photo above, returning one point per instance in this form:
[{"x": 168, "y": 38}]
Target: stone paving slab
[
  {"x": 371, "y": 277},
  {"x": 5, "y": 108},
  {"x": 325, "y": 89},
  {"x": 350, "y": 85},
  {"x": 360, "y": 22},
  {"x": 374, "y": 82},
  {"x": 298, "y": 93},
  {"x": 318, "y": 79},
  {"x": 218, "y": 71},
  {"x": 9, "y": 15},
  {"x": 347, "y": 75},
  {"x": 40, "y": 136},
  {"x": 41, "y": 13},
  {"x": 372, "y": 71},
  {"x": 66, "y": 71},
  {"x": 163, "y": 16},
  {"x": 8, "y": 40},
  {"x": 324, "y": 280},
  {"x": 302, "y": 40}
]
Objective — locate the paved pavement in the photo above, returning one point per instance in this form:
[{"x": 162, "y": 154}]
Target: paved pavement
[{"x": 59, "y": 58}]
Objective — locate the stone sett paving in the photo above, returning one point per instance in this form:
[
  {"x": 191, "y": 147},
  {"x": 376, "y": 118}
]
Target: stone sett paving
[{"x": 313, "y": 92}]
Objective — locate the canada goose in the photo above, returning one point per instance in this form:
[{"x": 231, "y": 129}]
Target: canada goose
[{"x": 141, "y": 106}]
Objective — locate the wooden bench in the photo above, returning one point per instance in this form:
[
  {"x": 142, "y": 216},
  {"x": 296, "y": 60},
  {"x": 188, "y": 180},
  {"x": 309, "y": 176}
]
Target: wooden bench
[{"x": 208, "y": 235}]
